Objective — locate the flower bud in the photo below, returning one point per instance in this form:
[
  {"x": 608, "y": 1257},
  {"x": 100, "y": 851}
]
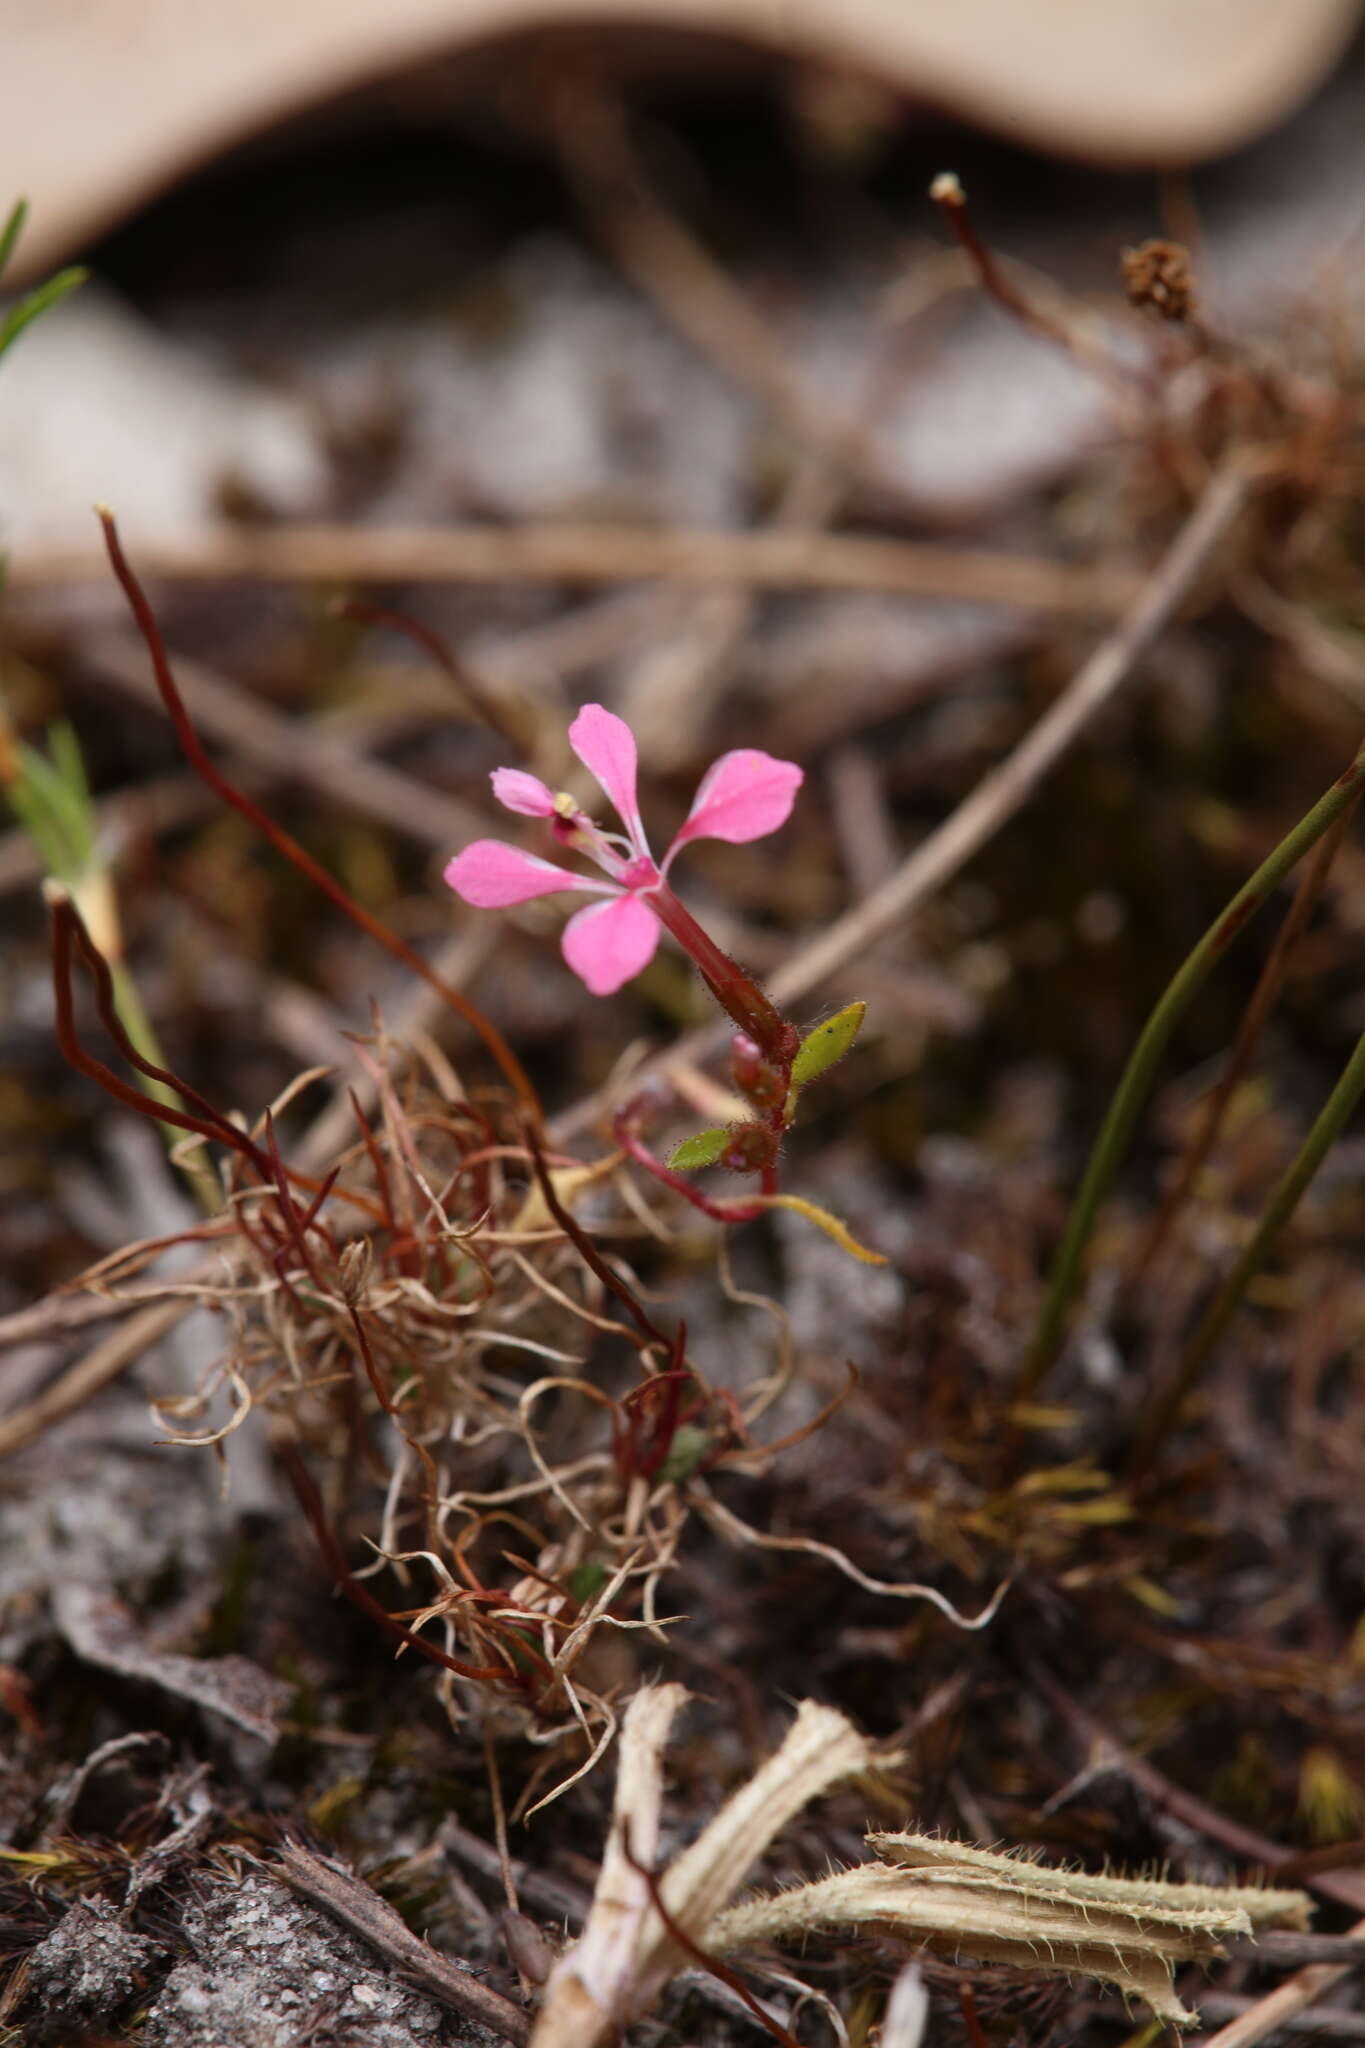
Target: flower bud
[
  {"x": 353, "y": 1270},
  {"x": 751, "y": 1148},
  {"x": 752, "y": 1074}
]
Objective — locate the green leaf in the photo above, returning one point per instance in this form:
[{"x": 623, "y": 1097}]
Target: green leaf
[
  {"x": 51, "y": 797},
  {"x": 37, "y": 301},
  {"x": 586, "y": 1579},
  {"x": 827, "y": 1043},
  {"x": 12, "y": 230},
  {"x": 704, "y": 1149},
  {"x": 689, "y": 1446}
]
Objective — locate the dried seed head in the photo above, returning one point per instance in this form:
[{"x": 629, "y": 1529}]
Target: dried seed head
[
  {"x": 1158, "y": 275},
  {"x": 353, "y": 1270}
]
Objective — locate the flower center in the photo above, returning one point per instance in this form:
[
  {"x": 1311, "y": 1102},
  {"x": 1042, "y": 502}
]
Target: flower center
[{"x": 640, "y": 874}]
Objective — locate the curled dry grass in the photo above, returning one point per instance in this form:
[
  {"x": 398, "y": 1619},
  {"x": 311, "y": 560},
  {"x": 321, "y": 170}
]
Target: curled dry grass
[{"x": 419, "y": 1329}]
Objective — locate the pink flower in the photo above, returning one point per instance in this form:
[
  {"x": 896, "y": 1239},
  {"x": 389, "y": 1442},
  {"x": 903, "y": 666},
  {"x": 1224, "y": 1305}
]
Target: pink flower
[{"x": 742, "y": 796}]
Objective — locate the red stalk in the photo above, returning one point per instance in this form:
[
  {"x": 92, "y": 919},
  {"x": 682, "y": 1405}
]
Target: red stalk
[
  {"x": 283, "y": 842},
  {"x": 738, "y": 995}
]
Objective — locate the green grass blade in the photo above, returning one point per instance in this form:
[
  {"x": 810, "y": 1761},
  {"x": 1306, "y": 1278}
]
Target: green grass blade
[
  {"x": 36, "y": 302},
  {"x": 1138, "y": 1076},
  {"x": 11, "y": 231},
  {"x": 1331, "y": 1121}
]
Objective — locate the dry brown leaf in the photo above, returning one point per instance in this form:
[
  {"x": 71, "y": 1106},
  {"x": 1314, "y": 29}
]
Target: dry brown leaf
[{"x": 102, "y": 1631}]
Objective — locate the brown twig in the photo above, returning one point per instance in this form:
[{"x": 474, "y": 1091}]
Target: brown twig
[
  {"x": 1031, "y": 312},
  {"x": 1347, "y": 1887},
  {"x": 712, "y": 1965},
  {"x": 437, "y": 650},
  {"x": 771, "y": 558},
  {"x": 99, "y": 1367},
  {"x": 1281, "y": 2005},
  {"x": 1004, "y": 791},
  {"x": 948, "y": 196},
  {"x": 362, "y": 1912},
  {"x": 551, "y": 1896}
]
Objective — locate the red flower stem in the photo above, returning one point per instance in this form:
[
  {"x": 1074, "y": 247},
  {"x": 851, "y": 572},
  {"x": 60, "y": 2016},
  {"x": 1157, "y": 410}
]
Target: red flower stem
[
  {"x": 740, "y": 997},
  {"x": 283, "y": 842}
]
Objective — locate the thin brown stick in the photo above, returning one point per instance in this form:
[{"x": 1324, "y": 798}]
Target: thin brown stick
[
  {"x": 505, "y": 1871},
  {"x": 554, "y": 1898},
  {"x": 1005, "y": 790},
  {"x": 362, "y": 1912},
  {"x": 96, "y": 1370},
  {"x": 283, "y": 842},
  {"x": 459, "y": 674},
  {"x": 948, "y": 195},
  {"x": 1347, "y": 1887},
  {"x": 771, "y": 558},
  {"x": 57, "y": 1314},
  {"x": 713, "y": 1965},
  {"x": 1295, "y": 1995},
  {"x": 1319, "y": 2024}
]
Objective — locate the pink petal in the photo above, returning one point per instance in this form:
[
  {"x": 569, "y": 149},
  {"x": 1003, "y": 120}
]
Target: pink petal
[
  {"x": 605, "y": 745},
  {"x": 608, "y": 944},
  {"x": 527, "y": 794},
  {"x": 744, "y": 795},
  {"x": 491, "y": 875}
]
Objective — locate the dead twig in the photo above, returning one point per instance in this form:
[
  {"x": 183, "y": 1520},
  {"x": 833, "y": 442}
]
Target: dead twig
[
  {"x": 548, "y": 1894},
  {"x": 66, "y": 1794},
  {"x": 1347, "y": 1887},
  {"x": 1004, "y": 791},
  {"x": 80, "y": 1382},
  {"x": 1284, "y": 2003},
  {"x": 362, "y": 1912},
  {"x": 772, "y": 558}
]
